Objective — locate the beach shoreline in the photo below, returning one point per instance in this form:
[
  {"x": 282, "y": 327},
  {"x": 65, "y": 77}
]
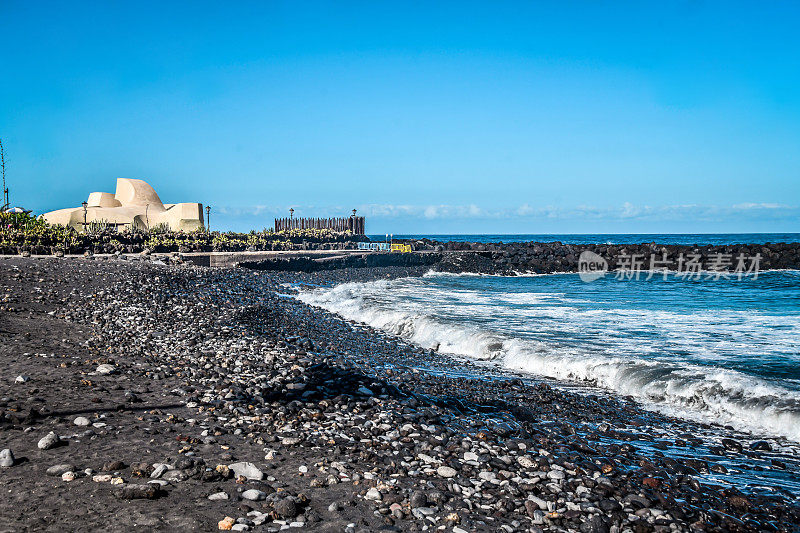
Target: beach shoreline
[{"x": 350, "y": 429}]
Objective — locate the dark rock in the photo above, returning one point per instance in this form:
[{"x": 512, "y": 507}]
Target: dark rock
[
  {"x": 285, "y": 508},
  {"x": 418, "y": 499},
  {"x": 609, "y": 505},
  {"x": 731, "y": 445},
  {"x": 141, "y": 469},
  {"x": 138, "y": 492},
  {"x": 113, "y": 466},
  {"x": 595, "y": 524}
]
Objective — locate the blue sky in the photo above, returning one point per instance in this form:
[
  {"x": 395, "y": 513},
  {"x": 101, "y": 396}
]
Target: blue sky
[{"x": 463, "y": 117}]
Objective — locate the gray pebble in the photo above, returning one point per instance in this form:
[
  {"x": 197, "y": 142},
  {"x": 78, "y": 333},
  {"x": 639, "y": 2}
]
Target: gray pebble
[
  {"x": 57, "y": 470},
  {"x": 48, "y": 441},
  {"x": 6, "y": 457},
  {"x": 254, "y": 495}
]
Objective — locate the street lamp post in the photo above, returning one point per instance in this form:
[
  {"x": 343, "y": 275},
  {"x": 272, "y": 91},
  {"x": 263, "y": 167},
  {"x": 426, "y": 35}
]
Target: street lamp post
[
  {"x": 6, "y": 205},
  {"x": 85, "y": 204},
  {"x": 208, "y": 219}
]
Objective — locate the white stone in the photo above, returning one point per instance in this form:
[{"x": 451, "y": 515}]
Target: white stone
[
  {"x": 254, "y": 495},
  {"x": 248, "y": 470},
  {"x": 542, "y": 504},
  {"x": 105, "y": 369},
  {"x": 427, "y": 459},
  {"x": 446, "y": 471},
  {"x": 159, "y": 469},
  {"x": 6, "y": 458},
  {"x": 487, "y": 476},
  {"x": 525, "y": 461},
  {"x": 48, "y": 441}
]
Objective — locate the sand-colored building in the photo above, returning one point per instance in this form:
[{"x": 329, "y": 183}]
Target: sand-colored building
[{"x": 135, "y": 204}]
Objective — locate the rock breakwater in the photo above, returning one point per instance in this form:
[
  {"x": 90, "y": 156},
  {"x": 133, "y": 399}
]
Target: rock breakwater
[{"x": 545, "y": 258}]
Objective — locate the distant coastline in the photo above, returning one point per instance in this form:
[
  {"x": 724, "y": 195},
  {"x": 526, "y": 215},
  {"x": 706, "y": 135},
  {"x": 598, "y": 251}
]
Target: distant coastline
[{"x": 700, "y": 239}]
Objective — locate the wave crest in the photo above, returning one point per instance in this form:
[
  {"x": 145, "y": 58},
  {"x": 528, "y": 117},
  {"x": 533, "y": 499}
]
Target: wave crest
[{"x": 697, "y": 392}]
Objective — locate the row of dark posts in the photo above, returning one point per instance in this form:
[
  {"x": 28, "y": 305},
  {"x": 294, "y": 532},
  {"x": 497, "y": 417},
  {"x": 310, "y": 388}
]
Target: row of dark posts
[{"x": 356, "y": 225}]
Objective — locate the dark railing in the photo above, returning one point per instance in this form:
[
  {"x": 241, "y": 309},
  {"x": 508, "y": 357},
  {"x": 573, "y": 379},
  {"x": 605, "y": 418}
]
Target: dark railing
[{"x": 355, "y": 225}]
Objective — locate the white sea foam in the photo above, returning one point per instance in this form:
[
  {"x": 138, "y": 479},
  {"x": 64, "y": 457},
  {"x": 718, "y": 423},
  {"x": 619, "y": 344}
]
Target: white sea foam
[
  {"x": 519, "y": 274},
  {"x": 353, "y": 303},
  {"x": 692, "y": 391},
  {"x": 599, "y": 351}
]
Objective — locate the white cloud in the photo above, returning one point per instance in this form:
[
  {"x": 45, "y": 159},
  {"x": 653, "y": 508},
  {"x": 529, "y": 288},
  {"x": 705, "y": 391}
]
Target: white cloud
[
  {"x": 626, "y": 211},
  {"x": 524, "y": 210},
  {"x": 431, "y": 212},
  {"x": 387, "y": 210},
  {"x": 750, "y": 205},
  {"x": 629, "y": 210},
  {"x": 475, "y": 211}
]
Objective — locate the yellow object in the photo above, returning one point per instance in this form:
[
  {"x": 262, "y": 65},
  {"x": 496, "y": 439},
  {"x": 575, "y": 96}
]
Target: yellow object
[
  {"x": 226, "y": 524},
  {"x": 403, "y": 248}
]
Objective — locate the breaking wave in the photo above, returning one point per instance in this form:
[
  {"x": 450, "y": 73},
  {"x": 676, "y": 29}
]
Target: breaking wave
[{"x": 685, "y": 364}]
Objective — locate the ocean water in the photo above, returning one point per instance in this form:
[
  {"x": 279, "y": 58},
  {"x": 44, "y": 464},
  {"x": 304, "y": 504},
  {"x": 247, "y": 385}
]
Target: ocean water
[
  {"x": 722, "y": 351},
  {"x": 615, "y": 238}
]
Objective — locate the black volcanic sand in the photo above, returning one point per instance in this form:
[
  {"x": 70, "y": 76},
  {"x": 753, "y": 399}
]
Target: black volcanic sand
[{"x": 159, "y": 381}]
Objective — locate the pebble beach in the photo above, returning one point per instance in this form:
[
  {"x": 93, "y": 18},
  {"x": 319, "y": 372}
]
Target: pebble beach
[{"x": 155, "y": 395}]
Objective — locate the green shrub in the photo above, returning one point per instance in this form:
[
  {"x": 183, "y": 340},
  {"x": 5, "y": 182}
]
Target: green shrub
[
  {"x": 159, "y": 229},
  {"x": 22, "y": 231}
]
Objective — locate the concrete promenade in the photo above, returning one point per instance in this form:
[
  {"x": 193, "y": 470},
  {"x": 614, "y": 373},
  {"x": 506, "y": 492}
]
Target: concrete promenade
[{"x": 230, "y": 259}]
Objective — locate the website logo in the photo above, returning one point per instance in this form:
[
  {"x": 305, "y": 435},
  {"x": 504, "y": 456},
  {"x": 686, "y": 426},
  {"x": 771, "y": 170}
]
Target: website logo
[{"x": 591, "y": 266}]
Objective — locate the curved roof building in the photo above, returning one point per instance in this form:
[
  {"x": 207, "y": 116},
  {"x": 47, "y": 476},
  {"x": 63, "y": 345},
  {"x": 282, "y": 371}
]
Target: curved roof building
[{"x": 134, "y": 204}]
